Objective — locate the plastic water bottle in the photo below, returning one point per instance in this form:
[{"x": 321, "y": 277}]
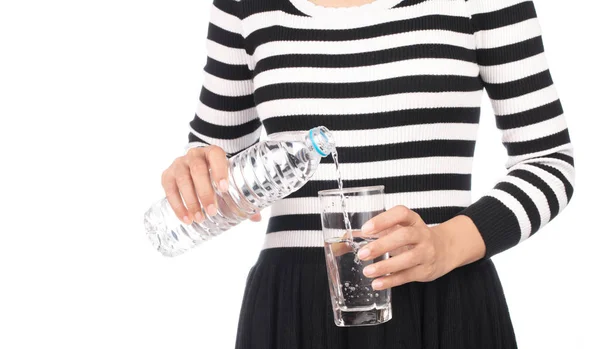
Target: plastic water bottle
[{"x": 258, "y": 176}]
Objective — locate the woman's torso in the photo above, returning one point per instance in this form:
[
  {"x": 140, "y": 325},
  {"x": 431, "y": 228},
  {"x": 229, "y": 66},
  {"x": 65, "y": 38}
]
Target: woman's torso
[{"x": 397, "y": 81}]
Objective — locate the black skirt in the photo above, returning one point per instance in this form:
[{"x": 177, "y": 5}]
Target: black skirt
[{"x": 287, "y": 306}]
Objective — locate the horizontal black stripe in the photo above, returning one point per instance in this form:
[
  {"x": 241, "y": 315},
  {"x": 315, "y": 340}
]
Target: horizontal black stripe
[
  {"x": 366, "y": 58},
  {"x": 519, "y": 87},
  {"x": 407, "y": 3},
  {"x": 357, "y": 219},
  {"x": 510, "y": 53},
  {"x": 540, "y": 144},
  {"x": 560, "y": 156},
  {"x": 530, "y": 117},
  {"x": 226, "y": 103},
  {"x": 558, "y": 174},
  {"x": 228, "y": 6},
  {"x": 504, "y": 17},
  {"x": 193, "y": 138},
  {"x": 401, "y": 184},
  {"x": 432, "y": 215},
  {"x": 258, "y": 6},
  {"x": 373, "y": 120},
  {"x": 542, "y": 186},
  {"x": 407, "y": 150},
  {"x": 530, "y": 208},
  {"x": 227, "y": 71},
  {"x": 405, "y": 84},
  {"x": 497, "y": 224},
  {"x": 224, "y": 132},
  {"x": 224, "y": 37},
  {"x": 432, "y": 22}
]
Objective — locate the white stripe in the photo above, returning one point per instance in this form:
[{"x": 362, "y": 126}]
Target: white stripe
[
  {"x": 276, "y": 48},
  {"x": 515, "y": 206},
  {"x": 403, "y": 134},
  {"x": 536, "y": 195},
  {"x": 535, "y": 131},
  {"x": 508, "y": 35},
  {"x": 229, "y": 88},
  {"x": 225, "y": 118},
  {"x": 404, "y": 101},
  {"x": 525, "y": 102},
  {"x": 433, "y": 7},
  {"x": 295, "y": 238},
  {"x": 499, "y": 74},
  {"x": 413, "y": 200},
  {"x": 224, "y": 54},
  {"x": 371, "y": 203},
  {"x": 231, "y": 145},
  {"x": 225, "y": 21},
  {"x": 192, "y": 145},
  {"x": 485, "y": 6},
  {"x": 553, "y": 182},
  {"x": 515, "y": 160},
  {"x": 413, "y": 67},
  {"x": 391, "y": 168},
  {"x": 564, "y": 167}
]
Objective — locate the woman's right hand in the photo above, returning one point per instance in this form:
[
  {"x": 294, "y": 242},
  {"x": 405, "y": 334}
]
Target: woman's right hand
[{"x": 188, "y": 177}]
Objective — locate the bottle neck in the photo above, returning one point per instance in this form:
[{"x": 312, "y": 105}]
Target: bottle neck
[{"x": 320, "y": 140}]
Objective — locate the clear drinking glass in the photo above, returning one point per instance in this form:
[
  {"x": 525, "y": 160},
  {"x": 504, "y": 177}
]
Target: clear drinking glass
[{"x": 354, "y": 301}]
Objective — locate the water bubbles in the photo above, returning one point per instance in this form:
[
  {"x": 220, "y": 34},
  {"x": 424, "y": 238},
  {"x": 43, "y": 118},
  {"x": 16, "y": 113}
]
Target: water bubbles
[
  {"x": 346, "y": 284},
  {"x": 377, "y": 294}
]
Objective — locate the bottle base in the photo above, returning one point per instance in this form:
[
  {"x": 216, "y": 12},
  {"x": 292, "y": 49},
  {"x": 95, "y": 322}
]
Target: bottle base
[{"x": 370, "y": 317}]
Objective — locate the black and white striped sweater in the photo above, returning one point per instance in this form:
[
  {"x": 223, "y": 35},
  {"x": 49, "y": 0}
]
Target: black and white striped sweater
[{"x": 399, "y": 83}]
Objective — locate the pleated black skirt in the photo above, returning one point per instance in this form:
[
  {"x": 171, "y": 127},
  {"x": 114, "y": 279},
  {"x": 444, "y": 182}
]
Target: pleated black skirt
[{"x": 287, "y": 306}]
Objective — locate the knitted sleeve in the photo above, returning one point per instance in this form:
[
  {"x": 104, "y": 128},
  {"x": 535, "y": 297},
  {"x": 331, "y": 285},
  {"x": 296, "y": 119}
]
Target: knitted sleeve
[
  {"x": 513, "y": 67},
  {"x": 226, "y": 114}
]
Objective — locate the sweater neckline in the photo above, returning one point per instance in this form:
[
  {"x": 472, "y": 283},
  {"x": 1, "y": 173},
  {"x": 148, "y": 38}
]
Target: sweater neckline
[{"x": 312, "y": 9}]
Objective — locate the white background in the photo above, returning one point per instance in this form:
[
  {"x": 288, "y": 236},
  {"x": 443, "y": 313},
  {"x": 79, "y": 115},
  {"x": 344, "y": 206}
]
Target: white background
[{"x": 95, "y": 100}]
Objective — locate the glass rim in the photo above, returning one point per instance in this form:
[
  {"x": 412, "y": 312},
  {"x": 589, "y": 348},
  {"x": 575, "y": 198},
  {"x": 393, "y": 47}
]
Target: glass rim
[{"x": 354, "y": 190}]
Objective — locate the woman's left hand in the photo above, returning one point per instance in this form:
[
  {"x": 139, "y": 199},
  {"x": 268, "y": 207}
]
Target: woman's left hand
[{"x": 417, "y": 252}]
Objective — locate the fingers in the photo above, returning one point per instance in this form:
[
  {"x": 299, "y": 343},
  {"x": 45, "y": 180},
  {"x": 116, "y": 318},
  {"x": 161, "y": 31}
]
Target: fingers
[
  {"x": 187, "y": 188},
  {"x": 256, "y": 217},
  {"x": 403, "y": 236},
  {"x": 174, "y": 197},
  {"x": 203, "y": 186},
  {"x": 397, "y": 279},
  {"x": 192, "y": 178},
  {"x": 219, "y": 166},
  {"x": 403, "y": 261},
  {"x": 398, "y": 215}
]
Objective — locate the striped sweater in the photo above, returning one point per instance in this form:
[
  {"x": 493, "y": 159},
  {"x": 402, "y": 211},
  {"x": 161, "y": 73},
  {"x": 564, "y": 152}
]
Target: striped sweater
[{"x": 399, "y": 83}]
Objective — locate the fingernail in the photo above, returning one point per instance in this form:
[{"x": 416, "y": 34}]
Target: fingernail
[
  {"x": 367, "y": 227},
  {"x": 211, "y": 210},
  {"x": 223, "y": 185},
  {"x": 377, "y": 284},
  {"x": 254, "y": 218},
  {"x": 199, "y": 218},
  {"x": 369, "y": 270},
  {"x": 364, "y": 253},
  {"x": 186, "y": 220}
]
